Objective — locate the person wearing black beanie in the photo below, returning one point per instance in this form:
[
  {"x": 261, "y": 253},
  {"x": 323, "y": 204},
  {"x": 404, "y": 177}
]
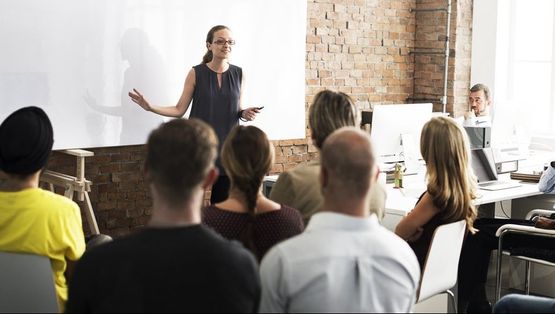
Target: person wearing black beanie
[
  {"x": 33, "y": 220},
  {"x": 26, "y": 140}
]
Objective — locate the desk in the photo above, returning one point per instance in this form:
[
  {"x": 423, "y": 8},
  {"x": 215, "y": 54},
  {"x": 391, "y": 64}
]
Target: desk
[{"x": 401, "y": 201}]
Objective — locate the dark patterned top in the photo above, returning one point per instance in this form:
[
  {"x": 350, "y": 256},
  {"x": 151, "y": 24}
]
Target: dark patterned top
[
  {"x": 215, "y": 105},
  {"x": 269, "y": 228}
]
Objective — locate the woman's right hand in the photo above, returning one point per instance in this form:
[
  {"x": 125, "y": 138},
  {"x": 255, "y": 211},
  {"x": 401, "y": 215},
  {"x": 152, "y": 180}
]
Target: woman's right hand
[{"x": 139, "y": 99}]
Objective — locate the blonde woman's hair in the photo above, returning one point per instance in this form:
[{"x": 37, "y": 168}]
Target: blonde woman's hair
[
  {"x": 330, "y": 111},
  {"x": 451, "y": 181}
]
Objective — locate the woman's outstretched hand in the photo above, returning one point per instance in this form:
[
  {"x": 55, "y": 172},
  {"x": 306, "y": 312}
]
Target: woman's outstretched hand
[
  {"x": 139, "y": 99},
  {"x": 250, "y": 113}
]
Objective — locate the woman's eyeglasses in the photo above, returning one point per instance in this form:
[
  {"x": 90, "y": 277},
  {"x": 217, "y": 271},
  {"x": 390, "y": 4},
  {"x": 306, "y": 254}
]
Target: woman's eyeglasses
[{"x": 221, "y": 42}]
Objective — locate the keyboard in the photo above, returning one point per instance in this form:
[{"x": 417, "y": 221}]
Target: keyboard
[{"x": 498, "y": 185}]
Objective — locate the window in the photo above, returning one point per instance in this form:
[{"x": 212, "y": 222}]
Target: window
[{"x": 518, "y": 53}]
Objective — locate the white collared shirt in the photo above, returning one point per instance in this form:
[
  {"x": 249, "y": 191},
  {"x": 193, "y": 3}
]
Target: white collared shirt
[
  {"x": 340, "y": 263},
  {"x": 482, "y": 121}
]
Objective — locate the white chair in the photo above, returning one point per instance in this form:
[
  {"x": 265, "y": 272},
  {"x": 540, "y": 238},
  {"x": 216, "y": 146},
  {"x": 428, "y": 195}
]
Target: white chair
[
  {"x": 522, "y": 230},
  {"x": 26, "y": 284},
  {"x": 442, "y": 263}
]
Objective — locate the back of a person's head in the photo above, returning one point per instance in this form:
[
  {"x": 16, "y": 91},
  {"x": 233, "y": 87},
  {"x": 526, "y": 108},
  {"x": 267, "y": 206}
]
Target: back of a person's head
[
  {"x": 451, "y": 183},
  {"x": 26, "y": 140},
  {"x": 247, "y": 156},
  {"x": 330, "y": 111},
  {"x": 180, "y": 153},
  {"x": 349, "y": 161}
]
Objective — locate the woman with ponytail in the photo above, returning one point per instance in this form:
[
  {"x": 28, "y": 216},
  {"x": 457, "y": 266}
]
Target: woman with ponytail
[
  {"x": 247, "y": 215},
  {"x": 215, "y": 87}
]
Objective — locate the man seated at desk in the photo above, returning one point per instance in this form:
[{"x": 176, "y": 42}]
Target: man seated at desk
[
  {"x": 480, "y": 103},
  {"x": 479, "y": 107}
]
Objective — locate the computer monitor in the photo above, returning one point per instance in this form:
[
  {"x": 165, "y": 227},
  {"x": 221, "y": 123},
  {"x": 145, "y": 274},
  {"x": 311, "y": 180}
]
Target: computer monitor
[{"x": 393, "y": 123}]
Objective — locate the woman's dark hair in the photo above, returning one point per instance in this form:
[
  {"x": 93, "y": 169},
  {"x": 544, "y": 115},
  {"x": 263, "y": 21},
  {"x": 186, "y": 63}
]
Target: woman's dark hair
[
  {"x": 247, "y": 156},
  {"x": 209, "y": 39}
]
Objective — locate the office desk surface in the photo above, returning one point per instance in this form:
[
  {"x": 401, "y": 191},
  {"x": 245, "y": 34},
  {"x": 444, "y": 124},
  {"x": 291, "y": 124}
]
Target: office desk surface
[{"x": 401, "y": 201}]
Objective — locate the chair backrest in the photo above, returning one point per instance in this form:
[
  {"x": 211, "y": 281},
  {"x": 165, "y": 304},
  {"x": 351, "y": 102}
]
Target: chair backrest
[
  {"x": 26, "y": 284},
  {"x": 442, "y": 263}
]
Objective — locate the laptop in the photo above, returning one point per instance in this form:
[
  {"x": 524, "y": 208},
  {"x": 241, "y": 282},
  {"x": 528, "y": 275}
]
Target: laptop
[{"x": 484, "y": 168}]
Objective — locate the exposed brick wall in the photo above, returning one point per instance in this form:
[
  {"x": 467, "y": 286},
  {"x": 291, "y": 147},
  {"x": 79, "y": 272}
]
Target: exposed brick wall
[
  {"x": 357, "y": 47},
  {"x": 463, "y": 52},
  {"x": 361, "y": 47},
  {"x": 429, "y": 44},
  {"x": 429, "y": 68},
  {"x": 119, "y": 195}
]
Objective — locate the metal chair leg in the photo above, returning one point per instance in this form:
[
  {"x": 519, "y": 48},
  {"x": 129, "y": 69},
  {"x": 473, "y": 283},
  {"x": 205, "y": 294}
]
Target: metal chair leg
[
  {"x": 498, "y": 277},
  {"x": 451, "y": 296},
  {"x": 527, "y": 280}
]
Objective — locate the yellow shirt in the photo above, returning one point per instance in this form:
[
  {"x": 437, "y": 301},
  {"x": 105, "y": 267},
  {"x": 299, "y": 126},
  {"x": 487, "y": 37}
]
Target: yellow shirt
[{"x": 42, "y": 223}]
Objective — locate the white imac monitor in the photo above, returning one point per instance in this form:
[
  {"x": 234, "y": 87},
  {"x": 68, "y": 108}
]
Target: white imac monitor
[{"x": 396, "y": 131}]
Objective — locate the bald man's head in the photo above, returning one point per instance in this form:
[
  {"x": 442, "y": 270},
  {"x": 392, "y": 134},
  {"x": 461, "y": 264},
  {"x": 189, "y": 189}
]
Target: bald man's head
[{"x": 349, "y": 164}]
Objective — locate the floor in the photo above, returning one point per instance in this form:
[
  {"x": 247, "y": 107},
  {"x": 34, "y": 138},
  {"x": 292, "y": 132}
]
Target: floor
[{"x": 490, "y": 285}]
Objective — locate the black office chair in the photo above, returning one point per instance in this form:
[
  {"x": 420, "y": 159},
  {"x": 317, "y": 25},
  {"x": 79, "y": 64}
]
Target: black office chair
[{"x": 528, "y": 254}]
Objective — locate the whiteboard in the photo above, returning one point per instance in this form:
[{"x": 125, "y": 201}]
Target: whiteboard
[{"x": 77, "y": 59}]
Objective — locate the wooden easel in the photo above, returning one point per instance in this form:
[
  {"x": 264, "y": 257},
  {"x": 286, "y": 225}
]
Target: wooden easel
[{"x": 74, "y": 184}]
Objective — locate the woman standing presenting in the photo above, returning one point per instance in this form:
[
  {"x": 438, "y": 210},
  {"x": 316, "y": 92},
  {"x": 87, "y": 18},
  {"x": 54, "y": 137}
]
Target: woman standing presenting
[{"x": 215, "y": 87}]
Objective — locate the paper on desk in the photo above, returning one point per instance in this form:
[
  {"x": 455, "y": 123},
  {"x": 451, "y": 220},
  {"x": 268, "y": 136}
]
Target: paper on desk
[
  {"x": 398, "y": 203},
  {"x": 415, "y": 192}
]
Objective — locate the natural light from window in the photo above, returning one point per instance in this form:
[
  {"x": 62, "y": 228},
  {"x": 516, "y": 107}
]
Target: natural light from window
[{"x": 513, "y": 53}]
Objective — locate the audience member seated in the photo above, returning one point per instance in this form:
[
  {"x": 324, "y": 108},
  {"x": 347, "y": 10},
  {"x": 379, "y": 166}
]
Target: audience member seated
[
  {"x": 299, "y": 187},
  {"x": 479, "y": 107},
  {"x": 247, "y": 215},
  {"x": 517, "y": 303},
  {"x": 451, "y": 185},
  {"x": 33, "y": 220},
  {"x": 175, "y": 264},
  {"x": 344, "y": 261},
  {"x": 473, "y": 269}
]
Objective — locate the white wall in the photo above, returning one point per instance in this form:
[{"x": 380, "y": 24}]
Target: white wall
[
  {"x": 484, "y": 39},
  {"x": 77, "y": 59}
]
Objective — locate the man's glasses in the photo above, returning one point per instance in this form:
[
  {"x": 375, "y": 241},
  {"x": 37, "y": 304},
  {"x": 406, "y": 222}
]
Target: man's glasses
[
  {"x": 221, "y": 42},
  {"x": 476, "y": 100}
]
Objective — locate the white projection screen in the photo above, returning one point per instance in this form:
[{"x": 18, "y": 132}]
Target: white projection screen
[{"x": 77, "y": 59}]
